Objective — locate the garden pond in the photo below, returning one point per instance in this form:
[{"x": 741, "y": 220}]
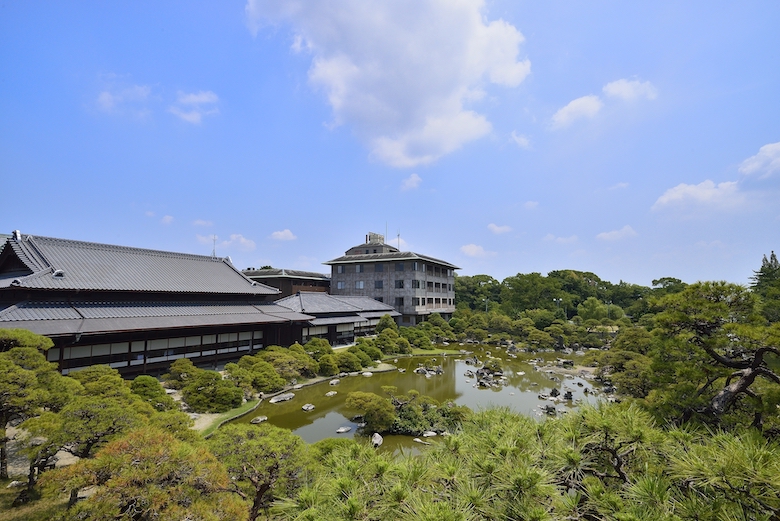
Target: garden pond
[{"x": 529, "y": 381}]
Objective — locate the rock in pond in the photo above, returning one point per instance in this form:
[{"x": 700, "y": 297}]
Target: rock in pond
[
  {"x": 377, "y": 439},
  {"x": 342, "y": 430},
  {"x": 282, "y": 398},
  {"x": 331, "y": 393},
  {"x": 429, "y": 434},
  {"x": 418, "y": 440},
  {"x": 335, "y": 381},
  {"x": 368, "y": 373},
  {"x": 308, "y": 407},
  {"x": 258, "y": 419}
]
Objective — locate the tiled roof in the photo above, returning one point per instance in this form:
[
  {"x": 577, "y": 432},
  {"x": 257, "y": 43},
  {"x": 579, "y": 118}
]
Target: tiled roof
[
  {"x": 395, "y": 256},
  {"x": 283, "y": 272},
  {"x": 317, "y": 303},
  {"x": 57, "y": 318},
  {"x": 74, "y": 265}
]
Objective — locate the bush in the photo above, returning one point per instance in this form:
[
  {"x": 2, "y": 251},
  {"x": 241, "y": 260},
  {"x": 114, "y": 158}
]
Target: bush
[
  {"x": 328, "y": 365},
  {"x": 150, "y": 390},
  {"x": 208, "y": 392},
  {"x": 365, "y": 360},
  {"x": 347, "y": 362}
]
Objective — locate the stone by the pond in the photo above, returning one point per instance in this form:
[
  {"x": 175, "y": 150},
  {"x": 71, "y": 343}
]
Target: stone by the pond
[
  {"x": 368, "y": 373},
  {"x": 429, "y": 434},
  {"x": 308, "y": 407},
  {"x": 331, "y": 393},
  {"x": 282, "y": 397},
  {"x": 259, "y": 419},
  {"x": 377, "y": 439},
  {"x": 335, "y": 381},
  {"x": 298, "y": 386},
  {"x": 342, "y": 430},
  {"x": 418, "y": 440}
]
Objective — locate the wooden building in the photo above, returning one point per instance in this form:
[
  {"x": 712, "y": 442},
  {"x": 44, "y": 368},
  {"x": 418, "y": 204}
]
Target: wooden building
[
  {"x": 289, "y": 282},
  {"x": 134, "y": 309}
]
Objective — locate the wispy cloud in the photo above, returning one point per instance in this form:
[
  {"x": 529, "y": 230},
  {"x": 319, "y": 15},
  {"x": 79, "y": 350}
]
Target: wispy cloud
[
  {"x": 283, "y": 235},
  {"x": 498, "y": 229},
  {"x": 474, "y": 250},
  {"x": 521, "y": 140},
  {"x": 584, "y": 107},
  {"x": 615, "y": 235},
  {"x": 531, "y": 205},
  {"x": 167, "y": 219},
  {"x": 619, "y": 186},
  {"x": 765, "y": 163},
  {"x": 411, "y": 182},
  {"x": 191, "y": 107},
  {"x": 560, "y": 240},
  {"x": 119, "y": 96},
  {"x": 239, "y": 242},
  {"x": 708, "y": 193},
  {"x": 630, "y": 89},
  {"x": 201, "y": 222},
  {"x": 435, "y": 60}
]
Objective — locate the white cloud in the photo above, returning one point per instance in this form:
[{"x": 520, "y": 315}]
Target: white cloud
[
  {"x": 283, "y": 235},
  {"x": 149, "y": 213},
  {"x": 530, "y": 205},
  {"x": 619, "y": 186},
  {"x": 521, "y": 140},
  {"x": 411, "y": 182},
  {"x": 473, "y": 250},
  {"x": 615, "y": 235},
  {"x": 707, "y": 192},
  {"x": 197, "y": 98},
  {"x": 630, "y": 89},
  {"x": 498, "y": 229},
  {"x": 402, "y": 73},
  {"x": 201, "y": 222},
  {"x": 766, "y": 162},
  {"x": 119, "y": 98},
  {"x": 560, "y": 240},
  {"x": 206, "y": 239},
  {"x": 167, "y": 219},
  {"x": 584, "y": 107},
  {"x": 239, "y": 242},
  {"x": 198, "y": 104}
]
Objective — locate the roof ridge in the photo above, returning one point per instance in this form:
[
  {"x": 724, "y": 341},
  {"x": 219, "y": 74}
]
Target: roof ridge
[{"x": 130, "y": 249}]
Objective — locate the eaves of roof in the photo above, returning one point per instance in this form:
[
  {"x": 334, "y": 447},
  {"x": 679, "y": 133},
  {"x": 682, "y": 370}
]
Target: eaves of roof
[{"x": 378, "y": 257}]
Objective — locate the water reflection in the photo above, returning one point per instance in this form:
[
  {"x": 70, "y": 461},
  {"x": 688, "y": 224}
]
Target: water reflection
[{"x": 521, "y": 390}]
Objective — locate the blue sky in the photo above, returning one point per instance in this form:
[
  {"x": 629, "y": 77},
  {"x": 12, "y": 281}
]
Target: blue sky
[{"x": 637, "y": 140}]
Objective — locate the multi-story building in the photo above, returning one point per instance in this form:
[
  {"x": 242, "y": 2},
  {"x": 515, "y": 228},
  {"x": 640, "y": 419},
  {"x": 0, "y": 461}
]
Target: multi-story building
[{"x": 415, "y": 285}]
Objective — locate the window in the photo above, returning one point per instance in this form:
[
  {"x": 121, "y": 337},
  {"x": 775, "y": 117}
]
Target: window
[
  {"x": 366, "y": 250},
  {"x": 399, "y": 302},
  {"x": 379, "y": 299},
  {"x": 415, "y": 284},
  {"x": 340, "y": 284},
  {"x": 415, "y": 266},
  {"x": 436, "y": 271},
  {"x": 340, "y": 268},
  {"x": 399, "y": 266},
  {"x": 359, "y": 268},
  {"x": 416, "y": 301},
  {"x": 358, "y": 284},
  {"x": 430, "y": 286},
  {"x": 449, "y": 287},
  {"x": 379, "y": 284},
  {"x": 399, "y": 284},
  {"x": 379, "y": 267},
  {"x": 437, "y": 287}
]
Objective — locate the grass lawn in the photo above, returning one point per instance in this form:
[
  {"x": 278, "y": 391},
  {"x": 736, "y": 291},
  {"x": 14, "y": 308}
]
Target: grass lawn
[
  {"x": 437, "y": 351},
  {"x": 40, "y": 510}
]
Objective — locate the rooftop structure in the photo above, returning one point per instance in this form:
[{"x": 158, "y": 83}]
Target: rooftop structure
[
  {"x": 289, "y": 282},
  {"x": 415, "y": 285}
]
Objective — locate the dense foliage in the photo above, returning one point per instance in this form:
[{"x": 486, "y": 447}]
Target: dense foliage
[{"x": 695, "y": 436}]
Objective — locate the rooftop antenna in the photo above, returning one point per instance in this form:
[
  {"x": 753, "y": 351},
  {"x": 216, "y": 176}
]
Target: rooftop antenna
[
  {"x": 385, "y": 230},
  {"x": 398, "y": 235},
  {"x": 214, "y": 250}
]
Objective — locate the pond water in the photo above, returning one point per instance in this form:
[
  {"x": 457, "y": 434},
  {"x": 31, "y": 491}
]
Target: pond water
[{"x": 520, "y": 392}]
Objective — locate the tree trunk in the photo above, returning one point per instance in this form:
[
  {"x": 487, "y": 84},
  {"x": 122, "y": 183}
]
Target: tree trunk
[
  {"x": 726, "y": 396},
  {"x": 3, "y": 454}
]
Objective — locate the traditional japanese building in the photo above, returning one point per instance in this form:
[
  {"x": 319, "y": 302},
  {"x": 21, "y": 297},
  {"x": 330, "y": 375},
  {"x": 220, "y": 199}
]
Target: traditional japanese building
[
  {"x": 289, "y": 282},
  {"x": 338, "y": 319},
  {"x": 134, "y": 309},
  {"x": 415, "y": 285}
]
